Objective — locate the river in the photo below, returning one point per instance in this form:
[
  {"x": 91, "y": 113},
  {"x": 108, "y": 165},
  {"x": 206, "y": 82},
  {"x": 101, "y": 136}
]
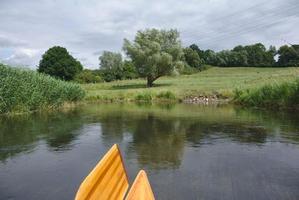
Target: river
[{"x": 188, "y": 151}]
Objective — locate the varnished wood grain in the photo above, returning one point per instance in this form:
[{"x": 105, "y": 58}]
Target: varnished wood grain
[
  {"x": 141, "y": 189},
  {"x": 108, "y": 180}
]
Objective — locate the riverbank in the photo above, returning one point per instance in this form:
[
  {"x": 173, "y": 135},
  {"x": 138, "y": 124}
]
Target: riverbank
[
  {"x": 26, "y": 91},
  {"x": 213, "y": 85}
]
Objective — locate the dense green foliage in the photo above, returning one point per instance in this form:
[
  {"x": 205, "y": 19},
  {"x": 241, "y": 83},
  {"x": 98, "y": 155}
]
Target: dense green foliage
[
  {"x": 111, "y": 60},
  {"x": 192, "y": 58},
  {"x": 24, "y": 90},
  {"x": 155, "y": 53},
  {"x": 255, "y": 55},
  {"x": 288, "y": 55},
  {"x": 272, "y": 95},
  {"x": 59, "y": 63},
  {"x": 88, "y": 76},
  {"x": 114, "y": 68},
  {"x": 129, "y": 70},
  {"x": 111, "y": 66}
]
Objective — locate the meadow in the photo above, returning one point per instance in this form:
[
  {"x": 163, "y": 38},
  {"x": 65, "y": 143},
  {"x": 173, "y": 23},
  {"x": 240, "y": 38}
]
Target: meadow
[{"x": 215, "y": 81}]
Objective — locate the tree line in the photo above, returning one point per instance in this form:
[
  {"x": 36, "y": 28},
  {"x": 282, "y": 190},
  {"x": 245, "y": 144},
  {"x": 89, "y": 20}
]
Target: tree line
[
  {"x": 256, "y": 55},
  {"x": 154, "y": 53}
]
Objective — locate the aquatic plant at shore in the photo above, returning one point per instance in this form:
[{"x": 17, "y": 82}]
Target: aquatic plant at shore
[
  {"x": 25, "y": 90},
  {"x": 283, "y": 95}
]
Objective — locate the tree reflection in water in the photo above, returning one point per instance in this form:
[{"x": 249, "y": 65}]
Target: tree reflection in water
[
  {"x": 158, "y": 133},
  {"x": 189, "y": 151}
]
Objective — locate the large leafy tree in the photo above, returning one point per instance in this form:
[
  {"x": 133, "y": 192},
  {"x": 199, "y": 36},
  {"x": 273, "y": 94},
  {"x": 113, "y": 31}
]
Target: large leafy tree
[
  {"x": 198, "y": 50},
  {"x": 57, "y": 62},
  {"x": 155, "y": 53},
  {"x": 192, "y": 58},
  {"x": 111, "y": 60},
  {"x": 288, "y": 55},
  {"x": 231, "y": 58},
  {"x": 210, "y": 57},
  {"x": 257, "y": 55},
  {"x": 111, "y": 65}
]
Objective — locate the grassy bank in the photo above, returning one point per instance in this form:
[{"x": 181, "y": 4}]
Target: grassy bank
[
  {"x": 214, "y": 81},
  {"x": 278, "y": 95},
  {"x": 25, "y": 90}
]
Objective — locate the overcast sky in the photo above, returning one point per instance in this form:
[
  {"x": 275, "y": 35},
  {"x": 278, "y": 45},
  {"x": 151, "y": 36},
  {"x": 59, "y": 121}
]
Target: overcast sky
[{"x": 87, "y": 27}]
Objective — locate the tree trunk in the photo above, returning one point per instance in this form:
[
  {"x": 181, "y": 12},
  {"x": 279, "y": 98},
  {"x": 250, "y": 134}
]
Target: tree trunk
[{"x": 150, "y": 81}]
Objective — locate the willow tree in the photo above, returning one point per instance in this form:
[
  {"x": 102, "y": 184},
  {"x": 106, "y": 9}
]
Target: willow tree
[{"x": 155, "y": 53}]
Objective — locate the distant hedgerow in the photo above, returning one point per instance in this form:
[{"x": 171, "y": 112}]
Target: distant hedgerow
[{"x": 25, "y": 90}]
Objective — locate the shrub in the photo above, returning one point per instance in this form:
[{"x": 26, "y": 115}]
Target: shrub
[
  {"x": 166, "y": 95},
  {"x": 187, "y": 70},
  {"x": 145, "y": 97},
  {"x": 87, "y": 76},
  {"x": 276, "y": 95},
  {"x": 25, "y": 90}
]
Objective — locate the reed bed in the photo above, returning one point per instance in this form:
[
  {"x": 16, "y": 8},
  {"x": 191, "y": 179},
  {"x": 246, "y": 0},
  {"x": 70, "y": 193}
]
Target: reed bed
[
  {"x": 279, "y": 95},
  {"x": 25, "y": 90}
]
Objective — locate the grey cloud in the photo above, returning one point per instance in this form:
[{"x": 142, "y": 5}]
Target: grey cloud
[
  {"x": 83, "y": 59},
  {"x": 109, "y": 41},
  {"x": 97, "y": 53},
  {"x": 87, "y": 28},
  {"x": 255, "y": 22},
  {"x": 9, "y": 42}
]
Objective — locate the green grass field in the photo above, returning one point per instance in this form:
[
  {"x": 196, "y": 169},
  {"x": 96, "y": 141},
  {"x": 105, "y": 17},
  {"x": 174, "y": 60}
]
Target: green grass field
[{"x": 221, "y": 81}]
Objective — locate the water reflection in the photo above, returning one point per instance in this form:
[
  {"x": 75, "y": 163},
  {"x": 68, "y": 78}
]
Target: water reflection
[
  {"x": 21, "y": 133},
  {"x": 198, "y": 133},
  {"x": 179, "y": 145},
  {"x": 158, "y": 132},
  {"x": 158, "y": 142}
]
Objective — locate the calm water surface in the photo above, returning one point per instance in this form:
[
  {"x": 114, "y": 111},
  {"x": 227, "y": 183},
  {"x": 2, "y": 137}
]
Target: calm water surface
[{"x": 188, "y": 151}]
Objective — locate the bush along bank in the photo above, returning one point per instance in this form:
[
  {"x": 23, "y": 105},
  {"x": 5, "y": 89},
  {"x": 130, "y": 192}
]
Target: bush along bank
[
  {"x": 283, "y": 95},
  {"x": 24, "y": 91},
  {"x": 142, "y": 96},
  {"x": 164, "y": 96}
]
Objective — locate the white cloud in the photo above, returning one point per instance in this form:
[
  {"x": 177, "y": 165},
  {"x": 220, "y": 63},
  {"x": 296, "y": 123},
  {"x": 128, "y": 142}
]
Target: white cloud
[{"x": 22, "y": 57}]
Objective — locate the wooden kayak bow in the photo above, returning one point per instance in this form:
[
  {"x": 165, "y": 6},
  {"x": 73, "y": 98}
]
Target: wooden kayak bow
[{"x": 109, "y": 181}]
